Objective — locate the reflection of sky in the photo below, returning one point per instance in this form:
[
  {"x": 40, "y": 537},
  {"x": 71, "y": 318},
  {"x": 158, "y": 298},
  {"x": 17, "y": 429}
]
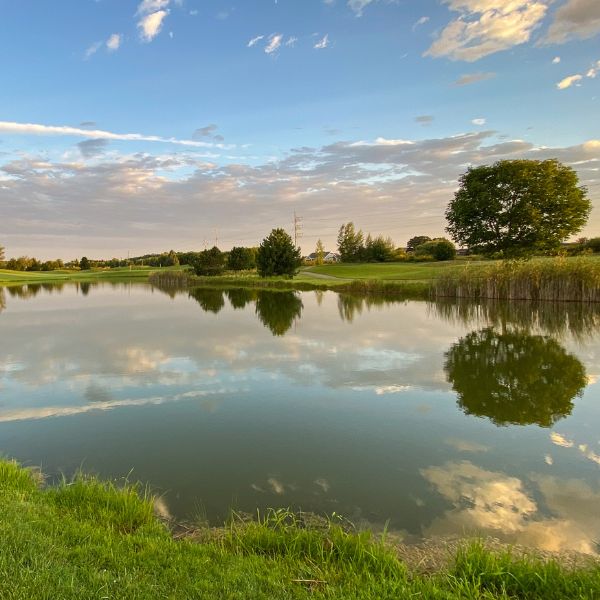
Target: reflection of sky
[{"x": 353, "y": 417}]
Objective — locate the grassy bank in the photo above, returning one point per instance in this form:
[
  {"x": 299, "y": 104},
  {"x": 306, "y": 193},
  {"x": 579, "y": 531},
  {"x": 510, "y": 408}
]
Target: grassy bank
[
  {"x": 116, "y": 274},
  {"x": 90, "y": 539}
]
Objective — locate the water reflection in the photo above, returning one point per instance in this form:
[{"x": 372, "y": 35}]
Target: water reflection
[
  {"x": 276, "y": 310},
  {"x": 279, "y": 310},
  {"x": 550, "y": 318},
  {"x": 514, "y": 378},
  {"x": 492, "y": 503},
  {"x": 209, "y": 299},
  {"x": 2, "y": 300}
]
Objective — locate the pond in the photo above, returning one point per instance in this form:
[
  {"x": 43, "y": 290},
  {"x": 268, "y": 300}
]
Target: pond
[{"x": 437, "y": 419}]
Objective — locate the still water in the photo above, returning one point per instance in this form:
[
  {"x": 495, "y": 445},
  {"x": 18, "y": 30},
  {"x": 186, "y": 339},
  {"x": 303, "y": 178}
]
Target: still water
[{"x": 444, "y": 419}]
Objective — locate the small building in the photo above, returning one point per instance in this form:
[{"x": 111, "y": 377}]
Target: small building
[{"x": 328, "y": 257}]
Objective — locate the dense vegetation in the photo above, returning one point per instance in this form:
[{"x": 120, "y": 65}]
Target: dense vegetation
[
  {"x": 277, "y": 255},
  {"x": 90, "y": 539}
]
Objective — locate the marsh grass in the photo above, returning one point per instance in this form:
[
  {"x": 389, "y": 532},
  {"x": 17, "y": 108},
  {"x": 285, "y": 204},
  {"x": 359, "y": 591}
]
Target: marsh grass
[
  {"x": 558, "y": 280},
  {"x": 86, "y": 538}
]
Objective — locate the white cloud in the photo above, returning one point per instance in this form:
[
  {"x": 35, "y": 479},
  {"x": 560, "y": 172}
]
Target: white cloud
[
  {"x": 97, "y": 134},
  {"x": 594, "y": 69},
  {"x": 484, "y": 27},
  {"x": 556, "y": 60},
  {"x": 574, "y": 19},
  {"x": 568, "y": 81},
  {"x": 275, "y": 40},
  {"x": 147, "y": 7},
  {"x": 255, "y": 40},
  {"x": 151, "y": 24},
  {"x": 478, "y": 122},
  {"x": 291, "y": 41},
  {"x": 420, "y": 22},
  {"x": 114, "y": 42},
  {"x": 322, "y": 43}
]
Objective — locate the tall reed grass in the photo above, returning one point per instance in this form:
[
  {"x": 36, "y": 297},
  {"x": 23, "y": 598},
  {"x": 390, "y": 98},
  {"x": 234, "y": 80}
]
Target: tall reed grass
[{"x": 558, "y": 279}]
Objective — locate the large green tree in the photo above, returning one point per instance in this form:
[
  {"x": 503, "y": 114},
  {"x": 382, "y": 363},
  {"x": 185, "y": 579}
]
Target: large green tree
[
  {"x": 517, "y": 207},
  {"x": 416, "y": 241},
  {"x": 277, "y": 255}
]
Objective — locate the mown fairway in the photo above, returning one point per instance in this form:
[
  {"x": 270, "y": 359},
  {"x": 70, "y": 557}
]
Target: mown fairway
[{"x": 391, "y": 271}]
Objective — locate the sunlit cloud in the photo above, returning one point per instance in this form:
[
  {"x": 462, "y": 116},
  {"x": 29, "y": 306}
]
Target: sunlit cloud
[{"x": 567, "y": 82}]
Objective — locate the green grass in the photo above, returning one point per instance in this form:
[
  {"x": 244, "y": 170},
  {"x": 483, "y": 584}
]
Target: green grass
[
  {"x": 401, "y": 271},
  {"x": 88, "y": 539}
]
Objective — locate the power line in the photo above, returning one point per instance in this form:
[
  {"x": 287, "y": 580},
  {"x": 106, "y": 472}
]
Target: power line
[{"x": 297, "y": 228}]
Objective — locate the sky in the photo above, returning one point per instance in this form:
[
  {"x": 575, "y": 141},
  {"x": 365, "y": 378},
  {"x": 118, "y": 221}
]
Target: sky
[{"x": 138, "y": 126}]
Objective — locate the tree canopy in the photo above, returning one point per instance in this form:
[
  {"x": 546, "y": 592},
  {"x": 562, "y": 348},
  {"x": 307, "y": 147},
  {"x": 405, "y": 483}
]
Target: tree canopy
[
  {"x": 209, "y": 262},
  {"x": 440, "y": 249},
  {"x": 241, "y": 259},
  {"x": 350, "y": 243},
  {"x": 84, "y": 263},
  {"x": 516, "y": 207},
  {"x": 277, "y": 255},
  {"x": 416, "y": 241}
]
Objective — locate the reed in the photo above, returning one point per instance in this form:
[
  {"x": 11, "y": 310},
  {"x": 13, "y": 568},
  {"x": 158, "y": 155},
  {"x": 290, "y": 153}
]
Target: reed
[{"x": 557, "y": 280}]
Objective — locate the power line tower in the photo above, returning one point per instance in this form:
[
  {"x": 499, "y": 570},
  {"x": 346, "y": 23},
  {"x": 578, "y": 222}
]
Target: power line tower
[{"x": 297, "y": 228}]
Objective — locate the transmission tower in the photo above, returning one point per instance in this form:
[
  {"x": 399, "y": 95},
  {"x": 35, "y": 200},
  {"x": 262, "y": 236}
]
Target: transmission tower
[{"x": 297, "y": 228}]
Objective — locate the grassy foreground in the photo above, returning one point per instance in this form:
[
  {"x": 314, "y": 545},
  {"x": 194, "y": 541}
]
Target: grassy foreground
[{"x": 88, "y": 539}]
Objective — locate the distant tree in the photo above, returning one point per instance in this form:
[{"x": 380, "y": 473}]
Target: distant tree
[
  {"x": 277, "y": 255},
  {"x": 416, "y": 241},
  {"x": 209, "y": 262},
  {"x": 84, "y": 264},
  {"x": 350, "y": 243},
  {"x": 440, "y": 249},
  {"x": 378, "y": 249},
  {"x": 241, "y": 259},
  {"x": 593, "y": 244},
  {"x": 517, "y": 207},
  {"x": 173, "y": 259},
  {"x": 319, "y": 253}
]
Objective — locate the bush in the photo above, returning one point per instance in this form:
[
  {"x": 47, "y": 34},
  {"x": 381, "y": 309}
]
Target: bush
[
  {"x": 593, "y": 244},
  {"x": 439, "y": 249}
]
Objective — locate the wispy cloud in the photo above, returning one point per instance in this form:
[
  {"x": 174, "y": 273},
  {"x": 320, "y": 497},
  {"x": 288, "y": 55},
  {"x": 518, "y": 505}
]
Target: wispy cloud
[
  {"x": 484, "y": 27},
  {"x": 275, "y": 40},
  {"x": 358, "y": 6},
  {"x": 470, "y": 78},
  {"x": 96, "y": 134},
  {"x": 480, "y": 122},
  {"x": 420, "y": 22},
  {"x": 91, "y": 50},
  {"x": 152, "y": 14},
  {"x": 322, "y": 43},
  {"x": 255, "y": 40}
]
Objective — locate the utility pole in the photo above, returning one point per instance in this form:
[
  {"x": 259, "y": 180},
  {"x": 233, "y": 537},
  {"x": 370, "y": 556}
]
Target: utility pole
[
  {"x": 297, "y": 228},
  {"x": 216, "y": 238}
]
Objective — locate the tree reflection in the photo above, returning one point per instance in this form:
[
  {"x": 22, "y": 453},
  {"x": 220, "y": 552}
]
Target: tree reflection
[
  {"x": 240, "y": 297},
  {"x": 514, "y": 378},
  {"x": 209, "y": 299},
  {"x": 277, "y": 310},
  {"x": 2, "y": 300}
]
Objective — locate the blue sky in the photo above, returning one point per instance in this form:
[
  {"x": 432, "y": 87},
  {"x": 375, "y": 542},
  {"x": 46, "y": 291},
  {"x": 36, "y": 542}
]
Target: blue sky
[{"x": 138, "y": 126}]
